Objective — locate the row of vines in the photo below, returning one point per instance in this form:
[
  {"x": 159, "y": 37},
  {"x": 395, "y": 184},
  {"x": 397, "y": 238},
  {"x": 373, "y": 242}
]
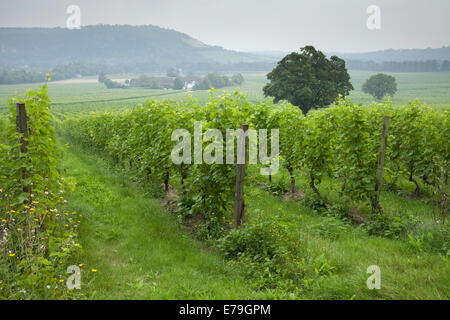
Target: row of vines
[
  {"x": 341, "y": 143},
  {"x": 38, "y": 237}
]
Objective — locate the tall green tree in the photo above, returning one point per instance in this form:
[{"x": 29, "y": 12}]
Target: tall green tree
[
  {"x": 308, "y": 79},
  {"x": 380, "y": 85}
]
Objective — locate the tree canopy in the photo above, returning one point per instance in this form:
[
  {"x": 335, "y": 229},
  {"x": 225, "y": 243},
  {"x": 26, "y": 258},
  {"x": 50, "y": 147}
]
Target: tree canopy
[
  {"x": 308, "y": 79},
  {"x": 178, "y": 84},
  {"x": 380, "y": 85}
]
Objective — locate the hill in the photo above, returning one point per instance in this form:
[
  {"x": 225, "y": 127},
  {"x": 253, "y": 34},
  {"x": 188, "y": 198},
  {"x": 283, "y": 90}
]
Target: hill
[
  {"x": 149, "y": 48},
  {"x": 399, "y": 55}
]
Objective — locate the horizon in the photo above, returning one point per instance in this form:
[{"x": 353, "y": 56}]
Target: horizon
[
  {"x": 244, "y": 51},
  {"x": 285, "y": 25}
]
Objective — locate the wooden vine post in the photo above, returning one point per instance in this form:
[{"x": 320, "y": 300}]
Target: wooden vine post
[
  {"x": 379, "y": 180},
  {"x": 239, "y": 203},
  {"x": 22, "y": 129}
]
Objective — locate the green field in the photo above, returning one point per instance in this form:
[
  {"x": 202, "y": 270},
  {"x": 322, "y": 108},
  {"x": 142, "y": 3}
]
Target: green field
[{"x": 432, "y": 88}]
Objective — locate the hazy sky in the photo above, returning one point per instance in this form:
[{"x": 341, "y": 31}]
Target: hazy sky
[{"x": 330, "y": 25}]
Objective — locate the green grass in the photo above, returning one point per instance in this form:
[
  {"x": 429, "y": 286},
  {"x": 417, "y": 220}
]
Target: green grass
[
  {"x": 137, "y": 247},
  {"x": 405, "y": 272},
  {"x": 432, "y": 88}
]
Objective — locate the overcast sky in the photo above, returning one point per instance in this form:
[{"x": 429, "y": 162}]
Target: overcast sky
[{"x": 246, "y": 25}]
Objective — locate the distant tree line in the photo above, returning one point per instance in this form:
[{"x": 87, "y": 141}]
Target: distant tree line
[
  {"x": 73, "y": 70},
  {"x": 110, "y": 84},
  {"x": 60, "y": 72},
  {"x": 211, "y": 80},
  {"x": 217, "y": 81},
  {"x": 400, "y": 66},
  {"x": 21, "y": 76},
  {"x": 149, "y": 82},
  {"x": 241, "y": 66}
]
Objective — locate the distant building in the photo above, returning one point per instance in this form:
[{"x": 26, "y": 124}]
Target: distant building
[{"x": 189, "y": 85}]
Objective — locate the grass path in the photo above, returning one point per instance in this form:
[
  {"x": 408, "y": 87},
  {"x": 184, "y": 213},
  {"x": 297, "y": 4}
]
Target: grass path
[{"x": 137, "y": 247}]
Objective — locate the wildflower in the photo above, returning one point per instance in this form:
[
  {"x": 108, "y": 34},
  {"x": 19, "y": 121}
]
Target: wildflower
[
  {"x": 80, "y": 265},
  {"x": 76, "y": 244},
  {"x": 48, "y": 287},
  {"x": 3, "y": 220},
  {"x": 61, "y": 280},
  {"x": 18, "y": 229},
  {"x": 12, "y": 254},
  {"x": 94, "y": 270}
]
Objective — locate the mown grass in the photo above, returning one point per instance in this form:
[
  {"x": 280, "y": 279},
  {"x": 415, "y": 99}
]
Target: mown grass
[{"x": 136, "y": 246}]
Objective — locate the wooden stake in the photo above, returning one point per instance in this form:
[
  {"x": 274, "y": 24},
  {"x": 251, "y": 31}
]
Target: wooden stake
[
  {"x": 21, "y": 121},
  {"x": 22, "y": 129},
  {"x": 379, "y": 181},
  {"x": 239, "y": 203}
]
